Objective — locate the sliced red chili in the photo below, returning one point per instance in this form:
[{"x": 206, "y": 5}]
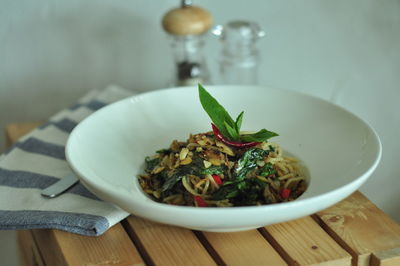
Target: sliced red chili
[
  {"x": 200, "y": 202},
  {"x": 220, "y": 137},
  {"x": 217, "y": 179},
  {"x": 285, "y": 193}
]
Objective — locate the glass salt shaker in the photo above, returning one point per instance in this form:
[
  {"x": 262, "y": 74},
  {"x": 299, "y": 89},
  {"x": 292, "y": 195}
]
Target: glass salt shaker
[
  {"x": 240, "y": 57},
  {"x": 187, "y": 27}
]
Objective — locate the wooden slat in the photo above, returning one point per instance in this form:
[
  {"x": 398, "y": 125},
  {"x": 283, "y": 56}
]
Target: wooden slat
[
  {"x": 304, "y": 242},
  {"x": 25, "y": 252},
  {"x": 359, "y": 226},
  {"x": 112, "y": 248},
  {"x": 244, "y": 248},
  {"x": 29, "y": 254},
  {"x": 15, "y": 131},
  {"x": 167, "y": 245},
  {"x": 386, "y": 257}
]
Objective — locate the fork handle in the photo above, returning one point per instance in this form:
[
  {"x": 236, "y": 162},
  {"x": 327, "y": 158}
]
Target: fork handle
[{"x": 60, "y": 186}]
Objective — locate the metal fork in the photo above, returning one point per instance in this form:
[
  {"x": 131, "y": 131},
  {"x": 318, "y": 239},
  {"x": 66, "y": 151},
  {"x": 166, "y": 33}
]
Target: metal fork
[{"x": 60, "y": 186}]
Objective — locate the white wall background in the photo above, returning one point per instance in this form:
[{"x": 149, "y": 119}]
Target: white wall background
[{"x": 53, "y": 51}]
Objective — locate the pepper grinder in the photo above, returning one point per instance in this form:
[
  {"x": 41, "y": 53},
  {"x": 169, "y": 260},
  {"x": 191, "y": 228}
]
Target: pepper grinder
[
  {"x": 240, "y": 57},
  {"x": 186, "y": 27}
]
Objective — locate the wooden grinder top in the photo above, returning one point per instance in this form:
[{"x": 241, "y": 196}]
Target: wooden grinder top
[{"x": 187, "y": 20}]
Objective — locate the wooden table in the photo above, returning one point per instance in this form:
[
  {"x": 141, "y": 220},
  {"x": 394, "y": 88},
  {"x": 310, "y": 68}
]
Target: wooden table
[{"x": 353, "y": 232}]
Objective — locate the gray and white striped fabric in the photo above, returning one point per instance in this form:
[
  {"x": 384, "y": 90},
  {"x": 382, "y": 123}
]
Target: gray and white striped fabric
[{"x": 37, "y": 161}]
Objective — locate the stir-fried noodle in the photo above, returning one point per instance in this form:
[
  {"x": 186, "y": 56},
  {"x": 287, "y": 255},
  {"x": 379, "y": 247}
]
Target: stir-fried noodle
[{"x": 204, "y": 171}]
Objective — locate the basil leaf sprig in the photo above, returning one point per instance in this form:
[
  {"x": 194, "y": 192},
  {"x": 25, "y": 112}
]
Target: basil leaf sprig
[{"x": 229, "y": 128}]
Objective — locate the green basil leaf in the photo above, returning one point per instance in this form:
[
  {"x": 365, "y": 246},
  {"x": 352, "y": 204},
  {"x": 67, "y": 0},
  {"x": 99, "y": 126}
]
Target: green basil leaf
[
  {"x": 171, "y": 182},
  {"x": 260, "y": 136},
  {"x": 233, "y": 134},
  {"x": 248, "y": 162},
  {"x": 215, "y": 111},
  {"x": 213, "y": 170},
  {"x": 243, "y": 185},
  {"x": 151, "y": 163},
  {"x": 232, "y": 194},
  {"x": 238, "y": 122},
  {"x": 226, "y": 191},
  {"x": 267, "y": 170},
  {"x": 162, "y": 151}
]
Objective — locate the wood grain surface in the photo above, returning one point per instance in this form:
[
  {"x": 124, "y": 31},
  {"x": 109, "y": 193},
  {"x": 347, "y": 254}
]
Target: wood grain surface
[
  {"x": 167, "y": 245},
  {"x": 357, "y": 224},
  {"x": 256, "y": 251},
  {"x": 389, "y": 257},
  {"x": 28, "y": 251},
  {"x": 304, "y": 242},
  {"x": 112, "y": 248},
  {"x": 17, "y": 130},
  {"x": 354, "y": 231}
]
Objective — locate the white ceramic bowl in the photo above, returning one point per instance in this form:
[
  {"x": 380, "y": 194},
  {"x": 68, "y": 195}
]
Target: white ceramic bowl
[{"x": 108, "y": 148}]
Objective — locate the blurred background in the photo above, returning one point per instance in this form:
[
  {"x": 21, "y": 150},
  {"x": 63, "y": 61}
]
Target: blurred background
[{"x": 52, "y": 52}]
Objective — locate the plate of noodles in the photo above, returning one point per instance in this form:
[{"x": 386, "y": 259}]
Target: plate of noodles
[{"x": 223, "y": 158}]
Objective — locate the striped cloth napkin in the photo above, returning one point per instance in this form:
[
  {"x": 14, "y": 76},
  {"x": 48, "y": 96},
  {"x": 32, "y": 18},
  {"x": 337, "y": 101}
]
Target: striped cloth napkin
[{"x": 37, "y": 161}]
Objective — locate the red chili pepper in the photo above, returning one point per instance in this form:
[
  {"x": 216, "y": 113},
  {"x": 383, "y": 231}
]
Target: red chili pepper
[
  {"x": 217, "y": 179},
  {"x": 200, "y": 202},
  {"x": 285, "y": 193},
  {"x": 219, "y": 136}
]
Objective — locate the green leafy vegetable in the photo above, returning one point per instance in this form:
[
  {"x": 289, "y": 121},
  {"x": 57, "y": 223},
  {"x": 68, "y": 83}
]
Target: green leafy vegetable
[
  {"x": 242, "y": 192},
  {"x": 195, "y": 168},
  {"x": 260, "y": 136},
  {"x": 229, "y": 128},
  {"x": 271, "y": 148},
  {"x": 243, "y": 185},
  {"x": 232, "y": 131},
  {"x": 267, "y": 170},
  {"x": 238, "y": 122},
  {"x": 163, "y": 151},
  {"x": 151, "y": 163},
  {"x": 171, "y": 181},
  {"x": 227, "y": 191},
  {"x": 213, "y": 170},
  {"x": 248, "y": 162},
  {"x": 217, "y": 112}
]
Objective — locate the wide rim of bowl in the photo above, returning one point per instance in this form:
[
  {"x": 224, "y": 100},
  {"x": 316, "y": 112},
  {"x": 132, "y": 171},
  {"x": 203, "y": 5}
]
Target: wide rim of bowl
[{"x": 239, "y": 210}]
